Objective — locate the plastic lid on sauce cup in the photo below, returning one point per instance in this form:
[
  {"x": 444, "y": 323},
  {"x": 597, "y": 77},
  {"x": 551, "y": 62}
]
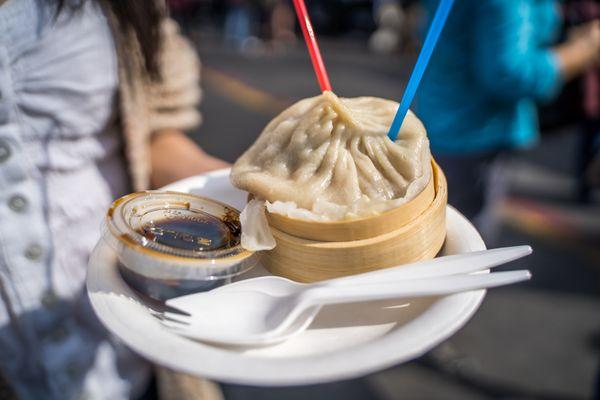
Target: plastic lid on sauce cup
[{"x": 177, "y": 236}]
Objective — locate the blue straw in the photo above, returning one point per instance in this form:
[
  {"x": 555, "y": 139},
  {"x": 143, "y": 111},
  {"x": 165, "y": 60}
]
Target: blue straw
[{"x": 415, "y": 78}]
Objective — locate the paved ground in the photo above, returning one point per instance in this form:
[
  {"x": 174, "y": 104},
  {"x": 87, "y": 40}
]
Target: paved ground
[{"x": 538, "y": 340}]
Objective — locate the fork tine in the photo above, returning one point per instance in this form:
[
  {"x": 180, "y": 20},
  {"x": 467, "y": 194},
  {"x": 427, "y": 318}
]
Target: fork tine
[
  {"x": 185, "y": 310},
  {"x": 183, "y": 319},
  {"x": 177, "y": 326},
  {"x": 184, "y": 304}
]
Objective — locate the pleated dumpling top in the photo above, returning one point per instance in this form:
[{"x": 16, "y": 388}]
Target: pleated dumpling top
[{"x": 329, "y": 158}]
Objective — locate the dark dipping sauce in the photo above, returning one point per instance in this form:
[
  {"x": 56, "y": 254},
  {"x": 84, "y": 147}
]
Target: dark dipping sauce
[{"x": 198, "y": 232}]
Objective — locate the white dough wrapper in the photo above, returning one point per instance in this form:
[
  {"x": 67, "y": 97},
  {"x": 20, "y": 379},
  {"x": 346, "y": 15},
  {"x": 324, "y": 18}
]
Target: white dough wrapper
[
  {"x": 327, "y": 158},
  {"x": 256, "y": 234}
]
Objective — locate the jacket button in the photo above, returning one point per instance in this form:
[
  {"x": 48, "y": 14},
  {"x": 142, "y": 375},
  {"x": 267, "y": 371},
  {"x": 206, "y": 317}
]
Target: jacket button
[
  {"x": 17, "y": 203},
  {"x": 34, "y": 252},
  {"x": 73, "y": 370},
  {"x": 49, "y": 299},
  {"x": 4, "y": 151},
  {"x": 59, "y": 334}
]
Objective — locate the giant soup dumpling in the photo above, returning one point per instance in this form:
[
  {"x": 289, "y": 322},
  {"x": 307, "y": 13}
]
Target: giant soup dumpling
[{"x": 328, "y": 158}]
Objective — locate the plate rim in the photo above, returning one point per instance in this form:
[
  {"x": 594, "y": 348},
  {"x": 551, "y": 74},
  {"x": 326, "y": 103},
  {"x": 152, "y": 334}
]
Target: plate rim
[{"x": 296, "y": 372}]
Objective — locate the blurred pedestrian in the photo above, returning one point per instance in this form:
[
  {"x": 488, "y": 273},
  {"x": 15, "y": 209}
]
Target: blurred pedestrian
[
  {"x": 494, "y": 61},
  {"x": 94, "y": 98},
  {"x": 282, "y": 22},
  {"x": 239, "y": 22},
  {"x": 397, "y": 26},
  {"x": 389, "y": 18},
  {"x": 579, "y": 12}
]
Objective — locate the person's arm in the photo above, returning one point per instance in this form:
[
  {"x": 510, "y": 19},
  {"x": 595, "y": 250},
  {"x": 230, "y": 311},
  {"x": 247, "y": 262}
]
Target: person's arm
[
  {"x": 507, "y": 62},
  {"x": 174, "y": 108},
  {"x": 175, "y": 156},
  {"x": 580, "y": 51}
]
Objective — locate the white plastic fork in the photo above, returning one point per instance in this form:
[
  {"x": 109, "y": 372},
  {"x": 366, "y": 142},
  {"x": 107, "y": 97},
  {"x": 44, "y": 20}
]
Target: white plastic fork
[
  {"x": 255, "y": 318},
  {"x": 251, "y": 317}
]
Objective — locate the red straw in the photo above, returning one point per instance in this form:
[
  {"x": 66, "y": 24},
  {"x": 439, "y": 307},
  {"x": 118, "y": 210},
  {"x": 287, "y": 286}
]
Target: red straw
[{"x": 311, "y": 43}]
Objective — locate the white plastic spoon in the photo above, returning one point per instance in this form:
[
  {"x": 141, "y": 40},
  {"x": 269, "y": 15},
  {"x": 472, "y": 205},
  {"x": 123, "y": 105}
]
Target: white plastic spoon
[{"x": 441, "y": 266}]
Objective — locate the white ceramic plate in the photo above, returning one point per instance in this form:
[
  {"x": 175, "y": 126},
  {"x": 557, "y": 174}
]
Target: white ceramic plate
[{"x": 345, "y": 341}]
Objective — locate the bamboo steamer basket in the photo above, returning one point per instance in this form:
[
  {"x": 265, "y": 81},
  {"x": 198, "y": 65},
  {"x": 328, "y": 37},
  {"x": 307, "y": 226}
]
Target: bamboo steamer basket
[{"x": 307, "y": 252}]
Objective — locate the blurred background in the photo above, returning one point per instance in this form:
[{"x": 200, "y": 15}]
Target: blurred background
[{"x": 539, "y": 340}]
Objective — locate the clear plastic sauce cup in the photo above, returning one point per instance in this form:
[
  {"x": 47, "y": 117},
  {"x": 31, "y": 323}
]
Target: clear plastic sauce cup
[{"x": 170, "y": 244}]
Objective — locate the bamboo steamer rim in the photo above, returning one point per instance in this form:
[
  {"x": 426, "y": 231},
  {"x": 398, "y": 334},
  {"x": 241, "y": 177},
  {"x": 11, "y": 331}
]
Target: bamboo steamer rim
[
  {"x": 363, "y": 227},
  {"x": 440, "y": 200}
]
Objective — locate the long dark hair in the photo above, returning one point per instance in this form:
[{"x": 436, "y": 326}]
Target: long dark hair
[{"x": 140, "y": 17}]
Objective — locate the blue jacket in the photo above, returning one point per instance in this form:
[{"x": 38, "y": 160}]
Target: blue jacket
[{"x": 490, "y": 66}]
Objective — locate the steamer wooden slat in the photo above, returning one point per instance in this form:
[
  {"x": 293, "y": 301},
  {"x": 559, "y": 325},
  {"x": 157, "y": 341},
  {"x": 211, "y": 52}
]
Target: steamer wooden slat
[{"x": 420, "y": 238}]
